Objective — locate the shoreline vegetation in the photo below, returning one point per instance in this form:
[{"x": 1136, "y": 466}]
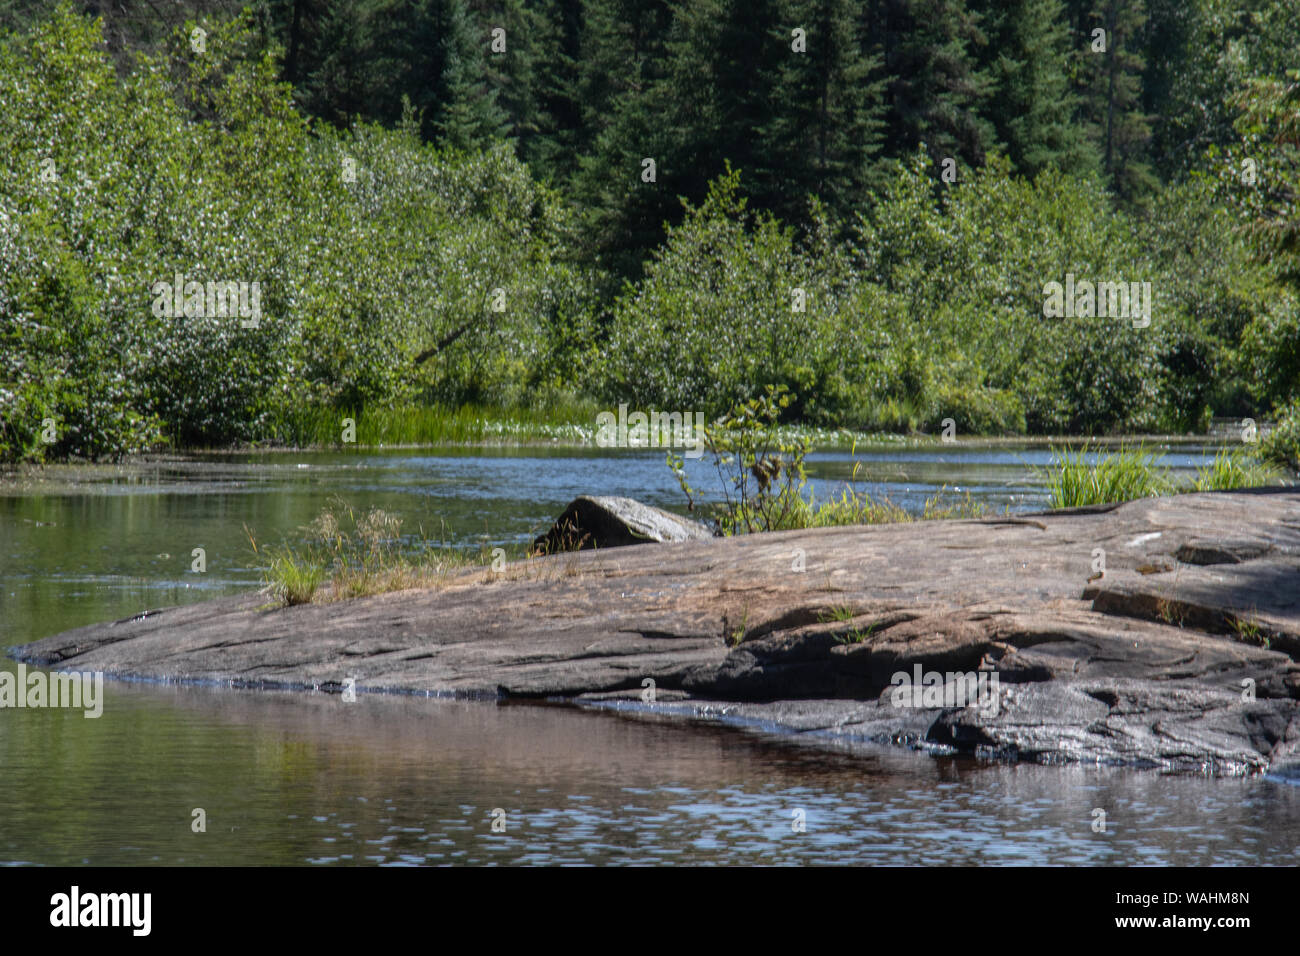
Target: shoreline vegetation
[
  {"x": 460, "y": 278},
  {"x": 475, "y": 426},
  {"x": 574, "y": 424}
]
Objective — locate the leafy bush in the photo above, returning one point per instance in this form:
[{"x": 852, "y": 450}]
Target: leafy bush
[
  {"x": 1282, "y": 445},
  {"x": 729, "y": 305},
  {"x": 429, "y": 276},
  {"x": 434, "y": 275},
  {"x": 762, "y": 475},
  {"x": 763, "y": 478},
  {"x": 980, "y": 410}
]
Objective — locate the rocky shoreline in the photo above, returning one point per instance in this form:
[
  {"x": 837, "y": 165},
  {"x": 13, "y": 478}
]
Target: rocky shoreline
[{"x": 1159, "y": 633}]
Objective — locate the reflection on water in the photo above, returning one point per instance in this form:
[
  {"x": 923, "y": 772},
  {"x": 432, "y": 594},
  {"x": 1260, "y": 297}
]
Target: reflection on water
[{"x": 310, "y": 779}]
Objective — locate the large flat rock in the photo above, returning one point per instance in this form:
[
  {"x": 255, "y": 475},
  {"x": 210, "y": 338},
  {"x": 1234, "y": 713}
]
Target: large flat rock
[{"x": 1180, "y": 655}]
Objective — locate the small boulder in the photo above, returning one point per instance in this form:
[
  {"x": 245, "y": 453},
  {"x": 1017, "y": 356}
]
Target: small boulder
[{"x": 592, "y": 521}]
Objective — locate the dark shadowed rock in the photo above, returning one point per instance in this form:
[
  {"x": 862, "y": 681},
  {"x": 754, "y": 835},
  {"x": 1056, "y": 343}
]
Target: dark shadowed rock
[
  {"x": 592, "y": 521},
  {"x": 1221, "y": 551},
  {"x": 1168, "y": 658}
]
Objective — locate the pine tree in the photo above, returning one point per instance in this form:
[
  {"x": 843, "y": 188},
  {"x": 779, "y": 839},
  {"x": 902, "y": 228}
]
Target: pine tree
[
  {"x": 935, "y": 91},
  {"x": 622, "y": 52},
  {"x": 623, "y": 96},
  {"x": 516, "y": 37},
  {"x": 556, "y": 76},
  {"x": 724, "y": 55},
  {"x": 825, "y": 112},
  {"x": 391, "y": 46},
  {"x": 334, "y": 62},
  {"x": 1032, "y": 105},
  {"x": 1111, "y": 92},
  {"x": 469, "y": 115}
]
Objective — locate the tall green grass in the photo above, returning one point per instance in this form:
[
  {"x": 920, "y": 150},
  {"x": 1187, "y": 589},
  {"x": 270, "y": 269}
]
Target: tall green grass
[
  {"x": 1132, "y": 473},
  {"x": 573, "y": 422},
  {"x": 1236, "y": 469},
  {"x": 1124, "y": 475},
  {"x": 567, "y": 421},
  {"x": 293, "y": 578}
]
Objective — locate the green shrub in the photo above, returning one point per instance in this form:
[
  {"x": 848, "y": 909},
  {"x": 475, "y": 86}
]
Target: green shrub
[
  {"x": 762, "y": 472},
  {"x": 1281, "y": 446},
  {"x": 375, "y": 292},
  {"x": 764, "y": 478},
  {"x": 729, "y": 305},
  {"x": 441, "y": 278},
  {"x": 979, "y": 410}
]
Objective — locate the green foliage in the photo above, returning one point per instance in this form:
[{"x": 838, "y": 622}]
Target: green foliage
[
  {"x": 293, "y": 578},
  {"x": 1269, "y": 120},
  {"x": 970, "y": 265},
  {"x": 376, "y": 291},
  {"x": 561, "y": 419},
  {"x": 1281, "y": 446},
  {"x": 945, "y": 507},
  {"x": 939, "y": 93},
  {"x": 1249, "y": 631},
  {"x": 763, "y": 478},
  {"x": 1026, "y": 59},
  {"x": 586, "y": 88},
  {"x": 717, "y": 316},
  {"x": 848, "y": 271},
  {"x": 852, "y": 507},
  {"x": 1132, "y": 473},
  {"x": 838, "y": 613},
  {"x": 1110, "y": 90},
  {"x": 820, "y": 129},
  {"x": 841, "y": 613}
]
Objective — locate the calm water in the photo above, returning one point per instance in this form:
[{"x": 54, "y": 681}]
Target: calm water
[{"x": 309, "y": 779}]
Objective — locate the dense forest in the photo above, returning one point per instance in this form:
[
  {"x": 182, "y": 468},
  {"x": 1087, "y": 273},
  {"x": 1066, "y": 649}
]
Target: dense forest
[{"x": 576, "y": 203}]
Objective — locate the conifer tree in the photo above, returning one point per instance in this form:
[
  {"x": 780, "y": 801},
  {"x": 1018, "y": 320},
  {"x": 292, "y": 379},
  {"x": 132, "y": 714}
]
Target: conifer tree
[
  {"x": 556, "y": 72},
  {"x": 515, "y": 36},
  {"x": 333, "y": 58},
  {"x": 469, "y": 114},
  {"x": 1110, "y": 66},
  {"x": 935, "y": 90},
  {"x": 623, "y": 97},
  {"x": 824, "y": 124},
  {"x": 1032, "y": 105}
]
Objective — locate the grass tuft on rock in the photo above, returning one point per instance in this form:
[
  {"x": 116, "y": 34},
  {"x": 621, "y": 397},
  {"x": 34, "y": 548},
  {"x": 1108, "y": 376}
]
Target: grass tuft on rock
[{"x": 348, "y": 554}]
